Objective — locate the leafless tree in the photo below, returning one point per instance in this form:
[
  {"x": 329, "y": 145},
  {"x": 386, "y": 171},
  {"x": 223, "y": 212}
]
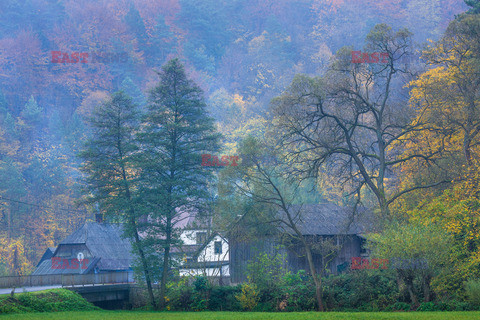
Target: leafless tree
[{"x": 355, "y": 120}]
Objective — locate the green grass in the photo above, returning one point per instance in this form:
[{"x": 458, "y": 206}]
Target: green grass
[{"x": 114, "y": 315}]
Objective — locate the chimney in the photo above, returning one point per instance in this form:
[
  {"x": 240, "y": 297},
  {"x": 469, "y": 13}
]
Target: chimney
[{"x": 99, "y": 217}]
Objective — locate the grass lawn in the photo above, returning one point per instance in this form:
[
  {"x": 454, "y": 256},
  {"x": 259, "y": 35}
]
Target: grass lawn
[{"x": 114, "y": 315}]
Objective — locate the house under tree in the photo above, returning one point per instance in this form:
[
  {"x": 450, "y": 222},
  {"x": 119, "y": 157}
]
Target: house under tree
[{"x": 326, "y": 225}]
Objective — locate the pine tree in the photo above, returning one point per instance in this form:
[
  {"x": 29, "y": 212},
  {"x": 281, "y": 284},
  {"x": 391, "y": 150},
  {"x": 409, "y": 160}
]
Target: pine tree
[
  {"x": 475, "y": 6},
  {"x": 3, "y": 103},
  {"x": 176, "y": 131},
  {"x": 32, "y": 111},
  {"x": 131, "y": 89},
  {"x": 111, "y": 173},
  {"x": 163, "y": 42}
]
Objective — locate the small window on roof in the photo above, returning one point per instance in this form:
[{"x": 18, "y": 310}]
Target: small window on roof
[
  {"x": 201, "y": 237},
  {"x": 218, "y": 247}
]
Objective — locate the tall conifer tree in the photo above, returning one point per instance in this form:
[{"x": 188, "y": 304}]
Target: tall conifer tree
[
  {"x": 112, "y": 180},
  {"x": 175, "y": 132}
]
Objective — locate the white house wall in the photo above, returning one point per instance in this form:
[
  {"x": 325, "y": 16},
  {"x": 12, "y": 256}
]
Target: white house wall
[
  {"x": 208, "y": 253},
  {"x": 209, "y": 272}
]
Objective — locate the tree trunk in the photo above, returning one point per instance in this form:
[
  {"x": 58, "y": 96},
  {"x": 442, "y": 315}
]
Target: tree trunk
[
  {"x": 408, "y": 278},
  {"x": 148, "y": 279},
  {"x": 426, "y": 288},
  {"x": 166, "y": 256},
  {"x": 317, "y": 280},
  {"x": 138, "y": 243},
  {"x": 466, "y": 148}
]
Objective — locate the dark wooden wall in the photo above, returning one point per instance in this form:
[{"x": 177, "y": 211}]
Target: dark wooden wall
[{"x": 241, "y": 253}]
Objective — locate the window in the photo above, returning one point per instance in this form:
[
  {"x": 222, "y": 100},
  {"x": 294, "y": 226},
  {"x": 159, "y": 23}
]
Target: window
[
  {"x": 218, "y": 247},
  {"x": 201, "y": 237}
]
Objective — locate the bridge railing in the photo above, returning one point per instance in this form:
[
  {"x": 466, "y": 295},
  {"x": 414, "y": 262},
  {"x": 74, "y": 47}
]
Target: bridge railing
[{"x": 66, "y": 280}]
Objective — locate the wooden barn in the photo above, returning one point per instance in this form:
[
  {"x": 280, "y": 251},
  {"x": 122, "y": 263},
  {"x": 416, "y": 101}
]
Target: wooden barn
[{"x": 335, "y": 234}]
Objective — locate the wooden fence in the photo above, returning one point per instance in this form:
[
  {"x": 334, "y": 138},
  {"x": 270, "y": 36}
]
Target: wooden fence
[{"x": 66, "y": 280}]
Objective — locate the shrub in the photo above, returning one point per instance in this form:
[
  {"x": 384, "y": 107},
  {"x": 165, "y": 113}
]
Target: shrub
[
  {"x": 223, "y": 299},
  {"x": 45, "y": 301},
  {"x": 366, "y": 290},
  {"x": 299, "y": 291},
  {"x": 472, "y": 290},
  {"x": 201, "y": 293},
  {"x": 428, "y": 306},
  {"x": 401, "y": 306},
  {"x": 248, "y": 298},
  {"x": 267, "y": 272},
  {"x": 179, "y": 295}
]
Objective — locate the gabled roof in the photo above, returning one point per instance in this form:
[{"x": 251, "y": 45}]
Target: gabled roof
[
  {"x": 104, "y": 241},
  {"x": 331, "y": 219},
  {"x": 47, "y": 255},
  {"x": 45, "y": 267},
  {"x": 190, "y": 220}
]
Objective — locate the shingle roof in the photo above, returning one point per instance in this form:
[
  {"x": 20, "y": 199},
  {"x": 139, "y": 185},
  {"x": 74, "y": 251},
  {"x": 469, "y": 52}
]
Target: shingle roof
[
  {"x": 331, "y": 219},
  {"x": 47, "y": 255},
  {"x": 45, "y": 267},
  {"x": 109, "y": 250},
  {"x": 104, "y": 240}
]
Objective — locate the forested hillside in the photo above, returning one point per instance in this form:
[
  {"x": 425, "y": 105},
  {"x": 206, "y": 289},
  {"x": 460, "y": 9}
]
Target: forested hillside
[{"x": 241, "y": 53}]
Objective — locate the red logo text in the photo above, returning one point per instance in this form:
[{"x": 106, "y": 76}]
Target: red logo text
[
  {"x": 213, "y": 161},
  {"x": 59, "y": 263},
  {"x": 362, "y": 263},
  {"x": 365, "y": 57},
  {"x": 83, "y": 57}
]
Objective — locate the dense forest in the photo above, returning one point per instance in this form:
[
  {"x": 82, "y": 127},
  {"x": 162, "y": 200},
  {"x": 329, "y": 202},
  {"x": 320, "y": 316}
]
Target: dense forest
[{"x": 256, "y": 62}]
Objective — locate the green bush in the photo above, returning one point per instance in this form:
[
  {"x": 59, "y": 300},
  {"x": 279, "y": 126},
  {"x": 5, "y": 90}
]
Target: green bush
[
  {"x": 455, "y": 305},
  {"x": 472, "y": 290},
  {"x": 362, "y": 290},
  {"x": 365, "y": 290},
  {"x": 45, "y": 301},
  {"x": 179, "y": 295},
  {"x": 299, "y": 291},
  {"x": 267, "y": 272},
  {"x": 401, "y": 306},
  {"x": 223, "y": 299},
  {"x": 428, "y": 306},
  {"x": 201, "y": 295},
  {"x": 249, "y": 296}
]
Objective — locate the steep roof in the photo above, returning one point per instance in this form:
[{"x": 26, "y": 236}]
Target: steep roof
[
  {"x": 45, "y": 267},
  {"x": 109, "y": 250},
  {"x": 104, "y": 240},
  {"x": 190, "y": 219},
  {"x": 47, "y": 255},
  {"x": 331, "y": 219}
]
